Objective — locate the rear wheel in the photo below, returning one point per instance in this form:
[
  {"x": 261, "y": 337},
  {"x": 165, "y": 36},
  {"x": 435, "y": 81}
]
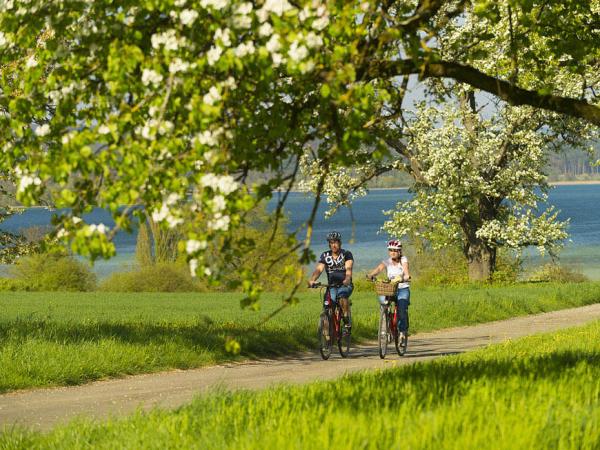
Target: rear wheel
[
  {"x": 325, "y": 336},
  {"x": 343, "y": 336},
  {"x": 382, "y": 337}
]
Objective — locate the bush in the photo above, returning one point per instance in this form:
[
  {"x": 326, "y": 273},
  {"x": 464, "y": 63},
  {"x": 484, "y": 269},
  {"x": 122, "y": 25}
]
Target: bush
[
  {"x": 555, "y": 272},
  {"x": 160, "y": 277},
  {"x": 50, "y": 272},
  {"x": 446, "y": 266},
  {"x": 11, "y": 284}
]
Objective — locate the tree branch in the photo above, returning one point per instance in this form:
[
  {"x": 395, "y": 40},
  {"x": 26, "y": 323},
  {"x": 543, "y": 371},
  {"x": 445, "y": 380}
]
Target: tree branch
[{"x": 508, "y": 92}]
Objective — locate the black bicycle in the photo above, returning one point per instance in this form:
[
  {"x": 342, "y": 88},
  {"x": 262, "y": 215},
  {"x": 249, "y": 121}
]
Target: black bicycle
[{"x": 331, "y": 328}]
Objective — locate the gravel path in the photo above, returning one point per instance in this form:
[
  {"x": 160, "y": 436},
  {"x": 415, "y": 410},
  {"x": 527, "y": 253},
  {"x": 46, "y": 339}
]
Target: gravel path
[{"x": 43, "y": 408}]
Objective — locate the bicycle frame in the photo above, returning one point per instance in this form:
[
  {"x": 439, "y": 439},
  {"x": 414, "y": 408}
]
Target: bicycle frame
[
  {"x": 392, "y": 314},
  {"x": 333, "y": 312}
]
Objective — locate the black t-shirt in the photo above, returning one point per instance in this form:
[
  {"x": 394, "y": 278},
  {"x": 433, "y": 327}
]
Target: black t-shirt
[{"x": 335, "y": 267}]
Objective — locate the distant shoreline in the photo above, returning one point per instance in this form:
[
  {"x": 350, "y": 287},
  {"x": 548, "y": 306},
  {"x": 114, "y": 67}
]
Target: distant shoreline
[{"x": 573, "y": 183}]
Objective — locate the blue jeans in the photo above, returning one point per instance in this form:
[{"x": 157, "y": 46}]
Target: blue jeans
[{"x": 402, "y": 300}]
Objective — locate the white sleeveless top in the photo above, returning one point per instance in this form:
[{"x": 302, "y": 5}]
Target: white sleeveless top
[{"x": 394, "y": 270}]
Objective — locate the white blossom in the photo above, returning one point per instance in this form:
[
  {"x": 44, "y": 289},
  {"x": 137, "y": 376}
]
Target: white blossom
[
  {"x": 31, "y": 62},
  {"x": 320, "y": 23},
  {"x": 223, "y": 36},
  {"x": 177, "y": 65},
  {"x": 278, "y": 59},
  {"x": 218, "y": 203},
  {"x": 215, "y": 4},
  {"x": 188, "y": 16},
  {"x": 42, "y": 130},
  {"x": 207, "y": 137},
  {"x": 102, "y": 129},
  {"x": 273, "y": 45},
  {"x": 297, "y": 52},
  {"x": 172, "y": 198},
  {"x": 242, "y": 22},
  {"x": 3, "y": 40},
  {"x": 265, "y": 29},
  {"x": 244, "y": 8},
  {"x": 193, "y": 245},
  {"x": 313, "y": 40},
  {"x": 27, "y": 180},
  {"x": 222, "y": 183},
  {"x": 212, "y": 97},
  {"x": 99, "y": 228},
  {"x": 230, "y": 83},
  {"x": 304, "y": 14},
  {"x": 245, "y": 48},
  {"x": 168, "y": 39},
  {"x": 219, "y": 222},
  {"x": 213, "y": 55},
  {"x": 150, "y": 76},
  {"x": 161, "y": 214},
  {"x": 277, "y": 7},
  {"x": 193, "y": 263}
]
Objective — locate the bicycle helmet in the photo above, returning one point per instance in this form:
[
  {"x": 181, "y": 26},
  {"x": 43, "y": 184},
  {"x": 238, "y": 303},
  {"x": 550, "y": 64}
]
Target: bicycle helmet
[
  {"x": 334, "y": 236},
  {"x": 394, "y": 244}
]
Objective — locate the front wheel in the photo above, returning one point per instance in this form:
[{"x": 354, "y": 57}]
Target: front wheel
[
  {"x": 325, "y": 335},
  {"x": 382, "y": 337},
  {"x": 401, "y": 341}
]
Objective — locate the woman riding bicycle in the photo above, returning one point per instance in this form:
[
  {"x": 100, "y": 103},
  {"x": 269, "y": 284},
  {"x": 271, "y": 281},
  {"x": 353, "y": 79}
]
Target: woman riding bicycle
[{"x": 397, "y": 271}]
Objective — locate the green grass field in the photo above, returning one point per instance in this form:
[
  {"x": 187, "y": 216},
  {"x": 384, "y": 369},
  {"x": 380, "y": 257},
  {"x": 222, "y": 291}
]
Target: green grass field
[
  {"x": 535, "y": 393},
  {"x": 49, "y": 339}
]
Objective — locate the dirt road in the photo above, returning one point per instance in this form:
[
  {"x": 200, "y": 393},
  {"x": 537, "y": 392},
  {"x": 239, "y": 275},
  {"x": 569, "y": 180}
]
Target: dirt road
[{"x": 43, "y": 408}]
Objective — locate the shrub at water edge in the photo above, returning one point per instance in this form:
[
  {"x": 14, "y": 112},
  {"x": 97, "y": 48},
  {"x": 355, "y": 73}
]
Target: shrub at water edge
[{"x": 53, "y": 272}]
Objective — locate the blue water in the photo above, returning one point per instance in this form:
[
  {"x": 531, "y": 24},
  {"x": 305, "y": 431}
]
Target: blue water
[{"x": 579, "y": 203}]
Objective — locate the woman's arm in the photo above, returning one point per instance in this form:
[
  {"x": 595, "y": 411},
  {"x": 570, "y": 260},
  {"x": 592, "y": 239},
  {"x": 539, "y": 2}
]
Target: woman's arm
[
  {"x": 405, "y": 272},
  {"x": 376, "y": 270}
]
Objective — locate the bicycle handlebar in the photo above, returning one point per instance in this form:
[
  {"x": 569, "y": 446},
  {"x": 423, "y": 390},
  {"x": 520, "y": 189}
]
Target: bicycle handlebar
[{"x": 319, "y": 285}]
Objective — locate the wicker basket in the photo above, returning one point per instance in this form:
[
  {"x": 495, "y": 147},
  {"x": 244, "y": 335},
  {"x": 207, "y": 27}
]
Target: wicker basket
[{"x": 386, "y": 288}]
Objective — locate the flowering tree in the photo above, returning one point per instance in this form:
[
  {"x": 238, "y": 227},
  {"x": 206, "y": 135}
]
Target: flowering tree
[
  {"x": 171, "y": 104},
  {"x": 478, "y": 182}
]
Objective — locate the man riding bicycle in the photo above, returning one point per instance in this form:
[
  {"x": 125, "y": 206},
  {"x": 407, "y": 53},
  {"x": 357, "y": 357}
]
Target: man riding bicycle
[
  {"x": 337, "y": 263},
  {"x": 397, "y": 271}
]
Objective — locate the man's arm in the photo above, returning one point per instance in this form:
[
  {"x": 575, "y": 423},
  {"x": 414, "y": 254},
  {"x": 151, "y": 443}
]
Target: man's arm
[
  {"x": 318, "y": 270},
  {"x": 348, "y": 278}
]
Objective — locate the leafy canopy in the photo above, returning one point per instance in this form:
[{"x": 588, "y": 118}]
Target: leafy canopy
[{"x": 172, "y": 104}]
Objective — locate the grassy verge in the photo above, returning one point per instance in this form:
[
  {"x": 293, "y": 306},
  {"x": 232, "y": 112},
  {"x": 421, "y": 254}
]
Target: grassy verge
[
  {"x": 535, "y": 393},
  {"x": 49, "y": 339}
]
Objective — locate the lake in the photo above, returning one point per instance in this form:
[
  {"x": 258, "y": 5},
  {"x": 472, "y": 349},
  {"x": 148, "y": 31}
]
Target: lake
[{"x": 577, "y": 202}]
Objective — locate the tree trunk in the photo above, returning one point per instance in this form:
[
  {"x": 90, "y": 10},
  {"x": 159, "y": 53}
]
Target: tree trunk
[{"x": 481, "y": 260}]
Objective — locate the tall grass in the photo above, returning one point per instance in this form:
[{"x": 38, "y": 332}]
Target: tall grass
[
  {"x": 536, "y": 393},
  {"x": 49, "y": 339}
]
